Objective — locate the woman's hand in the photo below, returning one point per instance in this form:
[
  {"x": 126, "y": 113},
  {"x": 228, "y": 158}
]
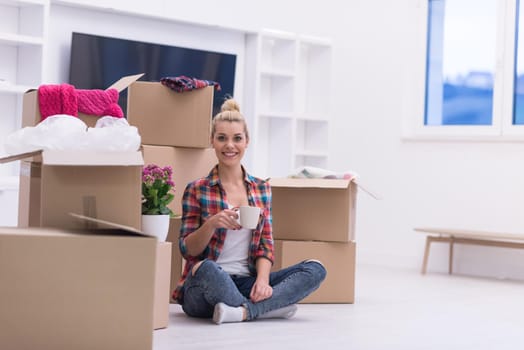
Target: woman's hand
[
  {"x": 227, "y": 219},
  {"x": 198, "y": 240},
  {"x": 261, "y": 290}
]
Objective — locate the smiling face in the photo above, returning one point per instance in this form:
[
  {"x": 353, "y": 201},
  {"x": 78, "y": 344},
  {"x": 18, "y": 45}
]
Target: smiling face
[{"x": 230, "y": 142}]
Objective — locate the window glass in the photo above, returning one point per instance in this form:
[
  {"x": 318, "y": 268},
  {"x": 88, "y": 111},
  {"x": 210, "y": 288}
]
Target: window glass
[{"x": 461, "y": 62}]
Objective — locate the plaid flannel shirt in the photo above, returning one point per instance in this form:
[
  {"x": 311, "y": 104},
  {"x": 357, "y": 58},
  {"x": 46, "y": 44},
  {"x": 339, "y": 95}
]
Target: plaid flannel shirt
[{"x": 206, "y": 197}]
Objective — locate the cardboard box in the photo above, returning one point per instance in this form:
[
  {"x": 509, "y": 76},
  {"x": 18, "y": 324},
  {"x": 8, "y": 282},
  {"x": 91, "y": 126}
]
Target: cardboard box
[
  {"x": 31, "y": 109},
  {"x": 177, "y": 262},
  {"x": 314, "y": 209},
  {"x": 162, "y": 285},
  {"x": 168, "y": 118},
  {"x": 65, "y": 289},
  {"x": 337, "y": 258},
  {"x": 103, "y": 185},
  {"x": 188, "y": 165}
]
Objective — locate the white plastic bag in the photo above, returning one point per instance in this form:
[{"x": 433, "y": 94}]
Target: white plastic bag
[
  {"x": 65, "y": 132},
  {"x": 58, "y": 132},
  {"x": 113, "y": 134}
]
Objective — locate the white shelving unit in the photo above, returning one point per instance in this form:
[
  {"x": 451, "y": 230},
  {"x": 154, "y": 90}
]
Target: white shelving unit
[
  {"x": 286, "y": 91},
  {"x": 289, "y": 99},
  {"x": 23, "y": 31}
]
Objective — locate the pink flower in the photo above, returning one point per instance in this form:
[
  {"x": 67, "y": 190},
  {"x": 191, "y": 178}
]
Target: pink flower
[{"x": 157, "y": 189}]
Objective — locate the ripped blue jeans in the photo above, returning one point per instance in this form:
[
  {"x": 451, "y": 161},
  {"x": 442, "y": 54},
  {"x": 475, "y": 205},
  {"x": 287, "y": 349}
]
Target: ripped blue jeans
[{"x": 211, "y": 285}]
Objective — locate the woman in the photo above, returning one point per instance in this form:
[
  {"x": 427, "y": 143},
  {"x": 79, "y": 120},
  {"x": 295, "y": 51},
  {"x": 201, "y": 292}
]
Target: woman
[{"x": 227, "y": 275}]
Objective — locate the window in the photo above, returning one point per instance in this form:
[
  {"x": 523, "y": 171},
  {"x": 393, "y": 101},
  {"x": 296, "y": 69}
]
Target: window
[
  {"x": 518, "y": 92},
  {"x": 461, "y": 62},
  {"x": 474, "y": 69}
]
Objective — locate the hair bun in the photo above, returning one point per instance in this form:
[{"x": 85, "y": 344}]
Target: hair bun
[{"x": 230, "y": 105}]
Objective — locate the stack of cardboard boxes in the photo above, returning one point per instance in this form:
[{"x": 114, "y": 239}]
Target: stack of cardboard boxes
[
  {"x": 176, "y": 131},
  {"x": 67, "y": 282},
  {"x": 94, "y": 281},
  {"x": 315, "y": 219}
]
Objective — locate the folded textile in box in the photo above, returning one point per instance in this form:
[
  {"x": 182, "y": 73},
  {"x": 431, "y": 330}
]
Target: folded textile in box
[{"x": 65, "y": 99}]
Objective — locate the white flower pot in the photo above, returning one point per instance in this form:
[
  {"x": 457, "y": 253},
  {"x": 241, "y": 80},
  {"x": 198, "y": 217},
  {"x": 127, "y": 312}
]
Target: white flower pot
[{"x": 156, "y": 225}]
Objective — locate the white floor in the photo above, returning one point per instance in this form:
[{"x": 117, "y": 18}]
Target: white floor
[{"x": 394, "y": 310}]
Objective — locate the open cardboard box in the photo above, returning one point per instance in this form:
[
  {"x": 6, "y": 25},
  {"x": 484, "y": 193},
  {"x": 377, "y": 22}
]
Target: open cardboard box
[
  {"x": 102, "y": 185},
  {"x": 31, "y": 109},
  {"x": 314, "y": 209},
  {"x": 168, "y": 118},
  {"x": 77, "y": 289}
]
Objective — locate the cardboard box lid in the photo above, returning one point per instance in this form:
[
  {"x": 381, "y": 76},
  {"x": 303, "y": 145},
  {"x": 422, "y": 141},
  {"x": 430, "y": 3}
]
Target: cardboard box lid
[
  {"x": 102, "y": 227},
  {"x": 310, "y": 183},
  {"x": 12, "y": 158},
  {"x": 80, "y": 158}
]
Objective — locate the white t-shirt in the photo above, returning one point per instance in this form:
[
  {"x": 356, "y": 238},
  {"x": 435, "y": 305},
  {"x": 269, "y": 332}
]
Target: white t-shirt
[{"x": 233, "y": 258}]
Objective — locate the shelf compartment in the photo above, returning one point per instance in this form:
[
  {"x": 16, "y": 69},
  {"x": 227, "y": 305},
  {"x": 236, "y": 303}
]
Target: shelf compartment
[
  {"x": 23, "y": 18},
  {"x": 20, "y": 67},
  {"x": 314, "y": 78},
  {"x": 278, "y": 52},
  {"x": 312, "y": 136},
  {"x": 276, "y": 94},
  {"x": 274, "y": 147}
]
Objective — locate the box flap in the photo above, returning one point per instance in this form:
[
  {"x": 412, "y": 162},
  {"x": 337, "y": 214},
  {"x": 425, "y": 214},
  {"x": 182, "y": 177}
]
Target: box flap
[
  {"x": 310, "y": 183},
  {"x": 108, "y": 224},
  {"x": 92, "y": 226},
  {"x": 320, "y": 183},
  {"x": 124, "y": 82},
  {"x": 367, "y": 190},
  {"x": 91, "y": 158},
  {"x": 120, "y": 85},
  {"x": 20, "y": 156}
]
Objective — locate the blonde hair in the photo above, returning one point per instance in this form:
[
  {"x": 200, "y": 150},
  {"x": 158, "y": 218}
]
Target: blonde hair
[{"x": 230, "y": 112}]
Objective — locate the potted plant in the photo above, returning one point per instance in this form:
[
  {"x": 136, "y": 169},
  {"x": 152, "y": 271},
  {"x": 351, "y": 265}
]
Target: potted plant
[{"x": 157, "y": 192}]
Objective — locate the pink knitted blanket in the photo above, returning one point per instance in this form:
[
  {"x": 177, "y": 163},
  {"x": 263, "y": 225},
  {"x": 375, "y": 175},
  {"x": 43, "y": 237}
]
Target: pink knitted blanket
[{"x": 65, "y": 99}]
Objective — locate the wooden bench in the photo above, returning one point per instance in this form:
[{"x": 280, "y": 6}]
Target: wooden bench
[{"x": 483, "y": 238}]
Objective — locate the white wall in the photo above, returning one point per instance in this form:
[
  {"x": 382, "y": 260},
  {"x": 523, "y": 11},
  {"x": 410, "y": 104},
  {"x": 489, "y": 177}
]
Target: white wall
[{"x": 477, "y": 185}]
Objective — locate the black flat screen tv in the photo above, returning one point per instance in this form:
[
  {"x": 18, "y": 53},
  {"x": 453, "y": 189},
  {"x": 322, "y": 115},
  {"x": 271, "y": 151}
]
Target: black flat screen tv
[{"x": 98, "y": 61}]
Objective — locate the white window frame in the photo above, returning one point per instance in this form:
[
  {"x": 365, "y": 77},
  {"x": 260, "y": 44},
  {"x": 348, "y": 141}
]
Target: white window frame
[{"x": 413, "y": 101}]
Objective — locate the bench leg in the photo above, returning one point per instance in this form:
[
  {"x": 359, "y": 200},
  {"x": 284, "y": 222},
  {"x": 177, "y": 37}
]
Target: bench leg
[
  {"x": 450, "y": 267},
  {"x": 426, "y": 255}
]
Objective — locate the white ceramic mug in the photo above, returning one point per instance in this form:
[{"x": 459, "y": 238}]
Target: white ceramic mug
[{"x": 249, "y": 216}]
